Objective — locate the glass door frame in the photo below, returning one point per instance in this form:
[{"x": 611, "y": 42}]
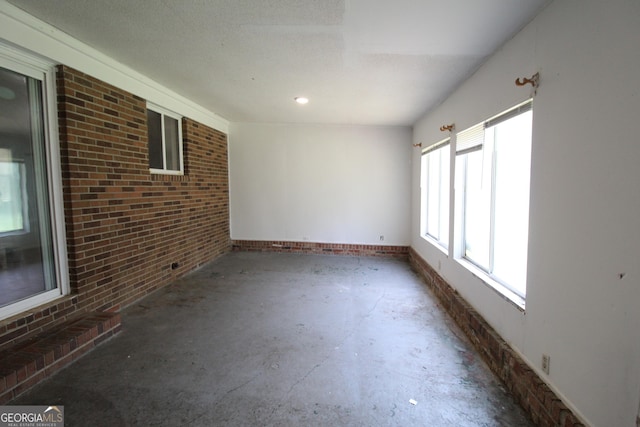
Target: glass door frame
[{"x": 43, "y": 70}]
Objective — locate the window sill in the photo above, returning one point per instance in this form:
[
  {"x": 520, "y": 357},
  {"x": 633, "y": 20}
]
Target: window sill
[
  {"x": 507, "y": 294},
  {"x": 165, "y": 172},
  {"x": 52, "y": 297},
  {"x": 438, "y": 244}
]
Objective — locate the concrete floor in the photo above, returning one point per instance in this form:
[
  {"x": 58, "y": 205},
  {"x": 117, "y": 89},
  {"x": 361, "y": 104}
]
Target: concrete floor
[{"x": 266, "y": 339}]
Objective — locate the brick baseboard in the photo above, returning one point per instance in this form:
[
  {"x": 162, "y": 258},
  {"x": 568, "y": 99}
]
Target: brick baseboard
[
  {"x": 31, "y": 361},
  {"x": 542, "y": 405},
  {"x": 320, "y": 248}
]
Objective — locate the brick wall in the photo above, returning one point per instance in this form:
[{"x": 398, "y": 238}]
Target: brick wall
[
  {"x": 126, "y": 227},
  {"x": 320, "y": 248}
]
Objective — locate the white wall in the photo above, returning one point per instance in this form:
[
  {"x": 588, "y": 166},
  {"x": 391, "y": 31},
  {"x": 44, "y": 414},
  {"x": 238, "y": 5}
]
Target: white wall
[
  {"x": 329, "y": 184},
  {"x": 585, "y": 201}
]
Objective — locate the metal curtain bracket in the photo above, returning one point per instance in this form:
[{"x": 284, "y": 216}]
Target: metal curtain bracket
[{"x": 533, "y": 81}]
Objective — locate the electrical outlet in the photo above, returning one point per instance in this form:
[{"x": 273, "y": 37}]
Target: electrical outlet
[
  {"x": 381, "y": 238},
  {"x": 546, "y": 360}
]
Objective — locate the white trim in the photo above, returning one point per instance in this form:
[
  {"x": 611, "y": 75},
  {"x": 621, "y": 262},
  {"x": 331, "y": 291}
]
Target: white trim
[
  {"x": 23, "y": 62},
  {"x": 24, "y": 30},
  {"x": 54, "y": 180},
  {"x": 29, "y": 303}
]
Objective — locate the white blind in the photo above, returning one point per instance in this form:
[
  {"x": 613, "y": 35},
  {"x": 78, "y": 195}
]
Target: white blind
[
  {"x": 470, "y": 139},
  {"x": 436, "y": 146},
  {"x": 515, "y": 111}
]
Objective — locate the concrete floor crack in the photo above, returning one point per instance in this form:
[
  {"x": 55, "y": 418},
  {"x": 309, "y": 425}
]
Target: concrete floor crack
[
  {"x": 306, "y": 375},
  {"x": 243, "y": 384},
  {"x": 375, "y": 305}
]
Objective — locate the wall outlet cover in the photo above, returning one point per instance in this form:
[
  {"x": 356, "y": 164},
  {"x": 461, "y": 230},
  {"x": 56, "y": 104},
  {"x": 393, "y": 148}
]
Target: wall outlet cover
[{"x": 546, "y": 361}]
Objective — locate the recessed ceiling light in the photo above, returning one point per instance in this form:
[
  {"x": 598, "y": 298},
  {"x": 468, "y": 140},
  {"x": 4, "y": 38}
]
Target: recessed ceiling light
[{"x": 301, "y": 100}]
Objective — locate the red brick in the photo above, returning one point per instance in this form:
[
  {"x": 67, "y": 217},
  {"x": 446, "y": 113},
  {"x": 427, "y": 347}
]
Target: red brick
[
  {"x": 30, "y": 382},
  {"x": 11, "y": 380},
  {"x": 6, "y": 396}
]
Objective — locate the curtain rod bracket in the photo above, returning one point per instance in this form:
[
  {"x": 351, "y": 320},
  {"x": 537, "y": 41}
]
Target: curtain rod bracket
[
  {"x": 418, "y": 144},
  {"x": 533, "y": 81},
  {"x": 447, "y": 127}
]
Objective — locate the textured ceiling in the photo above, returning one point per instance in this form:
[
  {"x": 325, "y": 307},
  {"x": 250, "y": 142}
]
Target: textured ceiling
[{"x": 372, "y": 62}]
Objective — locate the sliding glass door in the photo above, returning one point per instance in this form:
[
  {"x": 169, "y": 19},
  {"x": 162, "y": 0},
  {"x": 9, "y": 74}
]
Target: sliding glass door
[{"x": 29, "y": 262}]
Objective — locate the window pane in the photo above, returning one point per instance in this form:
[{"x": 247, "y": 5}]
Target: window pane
[
  {"x": 433, "y": 194},
  {"x": 513, "y": 163},
  {"x": 444, "y": 194},
  {"x": 11, "y": 194},
  {"x": 477, "y": 207},
  {"x": 27, "y": 264},
  {"x": 423, "y": 194},
  {"x": 154, "y": 123},
  {"x": 172, "y": 143},
  {"x": 438, "y": 194}
]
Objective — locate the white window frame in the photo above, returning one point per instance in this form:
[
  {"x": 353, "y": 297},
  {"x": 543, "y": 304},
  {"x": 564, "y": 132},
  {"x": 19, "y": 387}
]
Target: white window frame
[
  {"x": 41, "y": 69},
  {"x": 483, "y": 273},
  {"x": 445, "y": 185},
  {"x": 164, "y": 112}
]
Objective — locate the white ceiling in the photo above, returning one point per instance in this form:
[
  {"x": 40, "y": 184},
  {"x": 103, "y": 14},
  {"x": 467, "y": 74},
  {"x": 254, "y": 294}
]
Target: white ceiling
[{"x": 373, "y": 62}]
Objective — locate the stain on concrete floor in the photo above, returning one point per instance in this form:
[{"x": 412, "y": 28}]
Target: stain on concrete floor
[{"x": 262, "y": 339}]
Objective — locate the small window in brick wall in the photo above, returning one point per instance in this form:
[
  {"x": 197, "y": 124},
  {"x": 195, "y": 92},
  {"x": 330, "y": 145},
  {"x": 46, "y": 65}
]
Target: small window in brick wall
[{"x": 165, "y": 141}]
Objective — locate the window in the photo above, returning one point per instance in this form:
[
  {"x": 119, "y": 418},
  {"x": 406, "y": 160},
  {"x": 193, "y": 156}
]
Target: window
[
  {"x": 493, "y": 162},
  {"x": 165, "y": 141},
  {"x": 435, "y": 192},
  {"x": 32, "y": 241}
]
